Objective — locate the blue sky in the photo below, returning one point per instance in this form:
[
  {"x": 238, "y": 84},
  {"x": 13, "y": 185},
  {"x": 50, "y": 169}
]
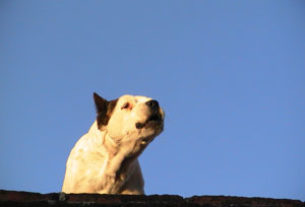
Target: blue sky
[{"x": 230, "y": 76}]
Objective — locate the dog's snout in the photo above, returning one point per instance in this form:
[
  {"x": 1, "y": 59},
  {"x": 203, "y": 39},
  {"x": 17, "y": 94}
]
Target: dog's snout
[{"x": 153, "y": 104}]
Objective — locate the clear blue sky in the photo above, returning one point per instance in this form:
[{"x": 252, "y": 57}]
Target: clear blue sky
[{"x": 229, "y": 74}]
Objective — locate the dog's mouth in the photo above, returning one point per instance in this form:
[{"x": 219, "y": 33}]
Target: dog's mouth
[
  {"x": 152, "y": 121},
  {"x": 155, "y": 117}
]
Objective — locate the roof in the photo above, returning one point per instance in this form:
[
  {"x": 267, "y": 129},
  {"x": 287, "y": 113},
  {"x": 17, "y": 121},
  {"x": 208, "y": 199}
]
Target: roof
[{"x": 15, "y": 198}]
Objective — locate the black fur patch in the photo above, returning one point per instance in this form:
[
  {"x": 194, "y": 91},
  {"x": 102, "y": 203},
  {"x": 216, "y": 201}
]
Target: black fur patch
[{"x": 104, "y": 109}]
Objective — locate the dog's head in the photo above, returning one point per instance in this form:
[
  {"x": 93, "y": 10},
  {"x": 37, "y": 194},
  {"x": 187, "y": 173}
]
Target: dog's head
[{"x": 129, "y": 118}]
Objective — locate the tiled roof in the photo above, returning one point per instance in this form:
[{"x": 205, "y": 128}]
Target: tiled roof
[{"x": 22, "y": 199}]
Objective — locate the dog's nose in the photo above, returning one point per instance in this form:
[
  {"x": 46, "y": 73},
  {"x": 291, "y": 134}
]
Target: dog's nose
[{"x": 153, "y": 104}]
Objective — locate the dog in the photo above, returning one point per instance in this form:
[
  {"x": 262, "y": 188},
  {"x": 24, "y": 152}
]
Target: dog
[{"x": 104, "y": 160}]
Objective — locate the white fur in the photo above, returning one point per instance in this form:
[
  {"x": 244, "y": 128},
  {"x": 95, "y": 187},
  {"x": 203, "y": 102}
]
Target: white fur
[{"x": 105, "y": 159}]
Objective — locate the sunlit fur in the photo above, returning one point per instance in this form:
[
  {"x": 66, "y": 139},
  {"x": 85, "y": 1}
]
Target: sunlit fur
[{"x": 105, "y": 159}]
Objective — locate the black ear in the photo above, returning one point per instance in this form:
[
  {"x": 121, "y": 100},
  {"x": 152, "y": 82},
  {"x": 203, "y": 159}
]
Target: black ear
[
  {"x": 104, "y": 109},
  {"x": 100, "y": 104}
]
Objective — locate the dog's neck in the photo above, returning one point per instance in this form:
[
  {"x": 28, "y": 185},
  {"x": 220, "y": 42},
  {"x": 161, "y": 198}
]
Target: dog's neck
[
  {"x": 111, "y": 147},
  {"x": 118, "y": 157}
]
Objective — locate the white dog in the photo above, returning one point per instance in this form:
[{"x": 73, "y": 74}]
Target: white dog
[{"x": 105, "y": 159}]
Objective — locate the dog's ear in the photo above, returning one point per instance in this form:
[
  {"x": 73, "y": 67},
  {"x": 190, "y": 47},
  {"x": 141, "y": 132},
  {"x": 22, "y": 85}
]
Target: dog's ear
[
  {"x": 100, "y": 104},
  {"x": 104, "y": 110}
]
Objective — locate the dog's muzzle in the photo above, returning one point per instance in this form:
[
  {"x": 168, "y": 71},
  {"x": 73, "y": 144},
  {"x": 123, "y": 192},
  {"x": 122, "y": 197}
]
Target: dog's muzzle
[
  {"x": 153, "y": 105},
  {"x": 155, "y": 118}
]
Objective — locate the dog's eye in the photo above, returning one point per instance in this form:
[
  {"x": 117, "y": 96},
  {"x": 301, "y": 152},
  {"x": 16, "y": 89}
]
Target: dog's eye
[{"x": 126, "y": 105}]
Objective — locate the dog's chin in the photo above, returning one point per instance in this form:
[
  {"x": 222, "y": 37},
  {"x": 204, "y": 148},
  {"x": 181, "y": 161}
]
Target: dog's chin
[{"x": 149, "y": 132}]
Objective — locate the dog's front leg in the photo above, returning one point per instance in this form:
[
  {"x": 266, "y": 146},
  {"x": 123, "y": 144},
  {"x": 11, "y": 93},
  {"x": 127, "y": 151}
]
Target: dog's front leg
[{"x": 134, "y": 184}]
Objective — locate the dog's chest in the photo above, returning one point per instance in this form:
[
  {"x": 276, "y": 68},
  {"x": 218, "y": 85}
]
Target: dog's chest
[{"x": 95, "y": 168}]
